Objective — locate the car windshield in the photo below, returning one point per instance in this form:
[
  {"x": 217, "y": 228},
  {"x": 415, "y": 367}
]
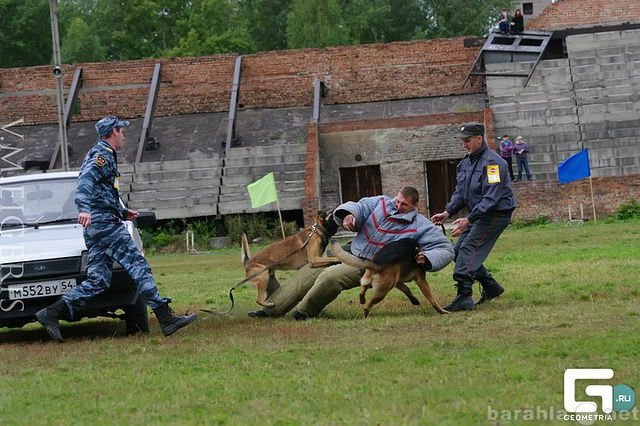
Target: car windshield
[{"x": 37, "y": 201}]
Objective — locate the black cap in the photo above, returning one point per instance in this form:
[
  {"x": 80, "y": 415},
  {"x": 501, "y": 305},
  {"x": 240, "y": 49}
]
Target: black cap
[{"x": 470, "y": 129}]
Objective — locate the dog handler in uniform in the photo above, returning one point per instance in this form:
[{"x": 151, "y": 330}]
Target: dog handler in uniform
[
  {"x": 378, "y": 221},
  {"x": 483, "y": 186},
  {"x": 101, "y": 215}
]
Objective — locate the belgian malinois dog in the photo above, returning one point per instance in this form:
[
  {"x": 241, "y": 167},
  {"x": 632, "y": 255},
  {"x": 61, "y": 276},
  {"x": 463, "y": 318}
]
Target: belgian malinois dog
[
  {"x": 307, "y": 246},
  {"x": 399, "y": 267}
]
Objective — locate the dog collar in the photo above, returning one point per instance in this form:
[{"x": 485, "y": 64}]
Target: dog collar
[{"x": 321, "y": 231}]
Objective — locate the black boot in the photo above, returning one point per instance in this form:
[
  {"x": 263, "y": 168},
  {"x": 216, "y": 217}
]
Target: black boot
[
  {"x": 170, "y": 323},
  {"x": 298, "y": 316},
  {"x": 490, "y": 291},
  {"x": 463, "y": 300},
  {"x": 50, "y": 316}
]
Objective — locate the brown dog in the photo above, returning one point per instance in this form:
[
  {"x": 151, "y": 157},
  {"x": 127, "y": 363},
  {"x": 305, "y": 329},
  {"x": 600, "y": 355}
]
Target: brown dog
[
  {"x": 401, "y": 268},
  {"x": 290, "y": 253}
]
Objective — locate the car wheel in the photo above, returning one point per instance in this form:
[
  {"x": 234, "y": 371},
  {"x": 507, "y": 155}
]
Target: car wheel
[{"x": 137, "y": 317}]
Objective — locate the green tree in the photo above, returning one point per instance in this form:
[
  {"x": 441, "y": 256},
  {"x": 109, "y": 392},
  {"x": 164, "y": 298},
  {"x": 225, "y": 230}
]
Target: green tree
[
  {"x": 266, "y": 22},
  {"x": 25, "y": 33},
  {"x": 368, "y": 21},
  {"x": 312, "y": 23},
  {"x": 407, "y": 18},
  {"x": 135, "y": 29},
  {"x": 460, "y": 17},
  {"x": 81, "y": 44},
  {"x": 213, "y": 26},
  {"x": 129, "y": 29}
]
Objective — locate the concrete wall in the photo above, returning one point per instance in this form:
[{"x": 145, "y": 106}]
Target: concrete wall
[
  {"x": 399, "y": 146},
  {"x": 606, "y": 71},
  {"x": 538, "y": 7},
  {"x": 207, "y": 187},
  {"x": 589, "y": 100}
]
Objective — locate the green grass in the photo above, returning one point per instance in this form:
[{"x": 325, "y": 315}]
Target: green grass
[{"x": 571, "y": 301}]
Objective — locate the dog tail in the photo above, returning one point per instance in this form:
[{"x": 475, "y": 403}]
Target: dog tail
[
  {"x": 349, "y": 259},
  {"x": 245, "y": 253}
]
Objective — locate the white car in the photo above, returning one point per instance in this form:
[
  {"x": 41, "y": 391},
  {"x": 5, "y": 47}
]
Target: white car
[{"x": 43, "y": 255}]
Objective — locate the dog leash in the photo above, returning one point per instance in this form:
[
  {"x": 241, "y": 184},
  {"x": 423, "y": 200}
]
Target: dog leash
[{"x": 314, "y": 229}]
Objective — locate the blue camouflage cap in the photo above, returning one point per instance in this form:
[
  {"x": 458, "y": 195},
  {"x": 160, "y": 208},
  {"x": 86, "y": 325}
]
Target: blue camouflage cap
[{"x": 105, "y": 125}]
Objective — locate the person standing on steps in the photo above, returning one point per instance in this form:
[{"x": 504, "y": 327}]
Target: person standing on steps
[
  {"x": 506, "y": 152},
  {"x": 101, "y": 215},
  {"x": 521, "y": 150},
  {"x": 483, "y": 186}
]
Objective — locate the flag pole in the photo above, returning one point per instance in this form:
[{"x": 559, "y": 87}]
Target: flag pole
[
  {"x": 280, "y": 216},
  {"x": 593, "y": 203}
]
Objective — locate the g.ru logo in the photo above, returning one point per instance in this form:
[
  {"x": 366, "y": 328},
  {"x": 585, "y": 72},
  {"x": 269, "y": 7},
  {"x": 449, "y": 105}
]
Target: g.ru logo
[{"x": 613, "y": 398}]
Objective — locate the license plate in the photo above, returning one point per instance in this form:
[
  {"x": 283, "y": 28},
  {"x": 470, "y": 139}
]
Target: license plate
[{"x": 40, "y": 289}]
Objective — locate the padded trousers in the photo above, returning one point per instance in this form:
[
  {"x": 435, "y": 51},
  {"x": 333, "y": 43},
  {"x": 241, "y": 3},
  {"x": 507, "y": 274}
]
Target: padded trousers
[
  {"x": 292, "y": 290},
  {"x": 329, "y": 284}
]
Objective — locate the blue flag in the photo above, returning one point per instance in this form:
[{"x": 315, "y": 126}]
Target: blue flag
[{"x": 574, "y": 168}]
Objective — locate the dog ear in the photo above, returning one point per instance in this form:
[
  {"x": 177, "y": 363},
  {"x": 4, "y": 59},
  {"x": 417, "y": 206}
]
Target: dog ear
[{"x": 328, "y": 213}]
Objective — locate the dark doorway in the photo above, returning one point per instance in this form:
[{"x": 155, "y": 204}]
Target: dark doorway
[
  {"x": 440, "y": 178},
  {"x": 358, "y": 182}
]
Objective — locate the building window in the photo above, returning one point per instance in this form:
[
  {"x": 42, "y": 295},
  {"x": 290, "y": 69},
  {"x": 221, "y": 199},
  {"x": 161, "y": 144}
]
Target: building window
[
  {"x": 359, "y": 182},
  {"x": 527, "y": 8},
  {"x": 440, "y": 179}
]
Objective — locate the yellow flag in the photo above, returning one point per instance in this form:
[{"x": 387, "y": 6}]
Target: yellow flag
[{"x": 263, "y": 191}]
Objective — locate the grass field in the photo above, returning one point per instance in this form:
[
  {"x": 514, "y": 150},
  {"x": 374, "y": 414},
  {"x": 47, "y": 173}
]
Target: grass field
[{"x": 572, "y": 301}]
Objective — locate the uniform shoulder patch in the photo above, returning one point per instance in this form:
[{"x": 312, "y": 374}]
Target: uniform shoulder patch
[
  {"x": 101, "y": 161},
  {"x": 493, "y": 173}
]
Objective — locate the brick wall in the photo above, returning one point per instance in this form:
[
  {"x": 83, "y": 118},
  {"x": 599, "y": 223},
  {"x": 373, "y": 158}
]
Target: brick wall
[
  {"x": 352, "y": 74},
  {"x": 550, "y": 199},
  {"x": 585, "y": 13},
  {"x": 188, "y": 85}
]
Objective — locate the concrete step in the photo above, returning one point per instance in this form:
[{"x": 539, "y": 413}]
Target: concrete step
[{"x": 256, "y": 172}]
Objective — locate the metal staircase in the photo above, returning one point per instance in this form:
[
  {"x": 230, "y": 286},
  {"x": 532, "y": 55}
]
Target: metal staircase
[{"x": 527, "y": 46}]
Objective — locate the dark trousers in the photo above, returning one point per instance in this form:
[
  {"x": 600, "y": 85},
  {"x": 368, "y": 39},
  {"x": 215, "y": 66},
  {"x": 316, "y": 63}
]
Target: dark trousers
[
  {"x": 509, "y": 161},
  {"x": 523, "y": 165},
  {"x": 473, "y": 248}
]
